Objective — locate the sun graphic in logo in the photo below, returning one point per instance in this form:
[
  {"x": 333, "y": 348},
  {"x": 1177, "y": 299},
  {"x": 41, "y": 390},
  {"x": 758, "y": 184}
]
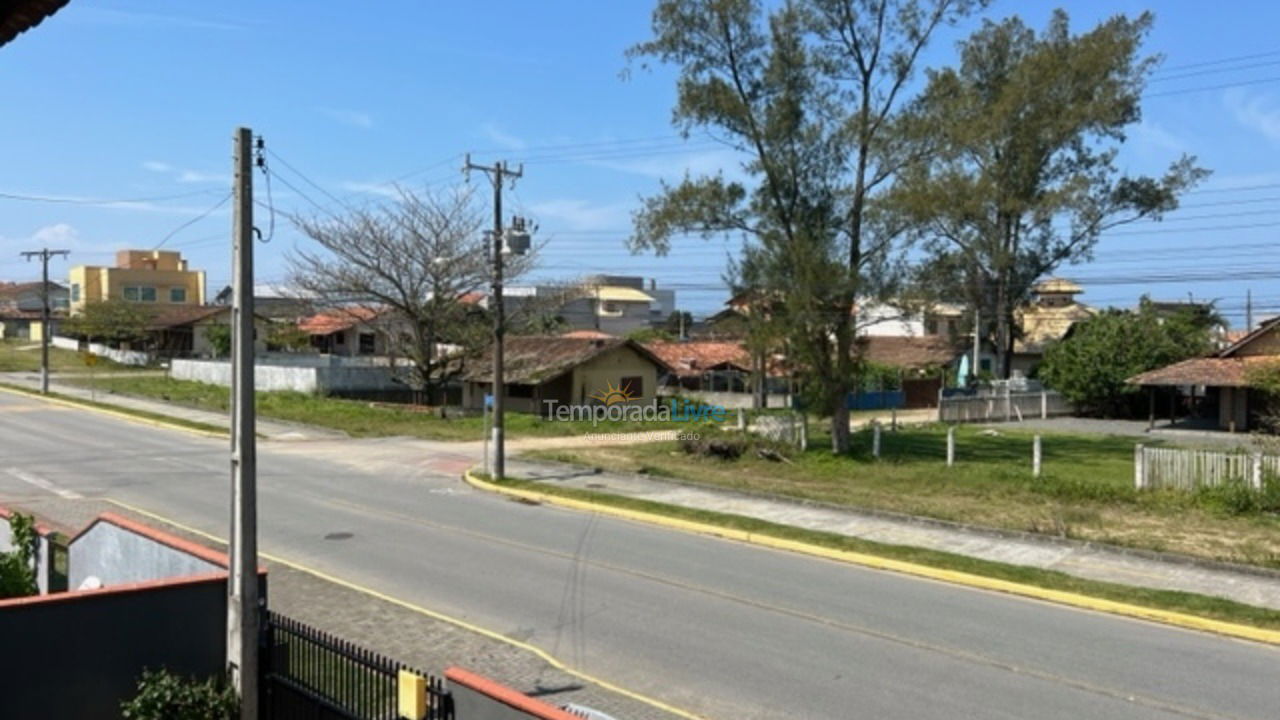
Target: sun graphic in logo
[{"x": 613, "y": 395}]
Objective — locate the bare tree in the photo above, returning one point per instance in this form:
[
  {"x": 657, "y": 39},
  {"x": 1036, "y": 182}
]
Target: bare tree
[{"x": 415, "y": 268}]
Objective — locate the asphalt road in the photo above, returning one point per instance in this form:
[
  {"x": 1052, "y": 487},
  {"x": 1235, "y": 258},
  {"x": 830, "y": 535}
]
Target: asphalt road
[{"x": 725, "y": 630}]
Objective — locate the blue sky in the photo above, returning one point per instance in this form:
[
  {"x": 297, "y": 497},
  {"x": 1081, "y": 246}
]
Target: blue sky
[{"x": 115, "y": 99}]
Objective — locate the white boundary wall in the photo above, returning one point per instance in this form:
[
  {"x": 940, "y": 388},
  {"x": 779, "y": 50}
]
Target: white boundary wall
[{"x": 322, "y": 379}]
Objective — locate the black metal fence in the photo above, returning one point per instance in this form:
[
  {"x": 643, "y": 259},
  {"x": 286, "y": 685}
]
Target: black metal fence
[{"x": 311, "y": 675}]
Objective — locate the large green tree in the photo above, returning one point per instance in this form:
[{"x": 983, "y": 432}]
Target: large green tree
[
  {"x": 1025, "y": 176},
  {"x": 1091, "y": 365},
  {"x": 110, "y": 321},
  {"x": 810, "y": 93}
]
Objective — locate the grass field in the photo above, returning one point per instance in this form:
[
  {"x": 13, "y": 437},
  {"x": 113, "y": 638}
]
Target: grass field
[
  {"x": 359, "y": 419},
  {"x": 24, "y": 356},
  {"x": 1086, "y": 491}
]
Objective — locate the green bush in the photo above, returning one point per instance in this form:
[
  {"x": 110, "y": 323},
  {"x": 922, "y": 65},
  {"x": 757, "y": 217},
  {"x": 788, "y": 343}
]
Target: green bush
[
  {"x": 17, "y": 567},
  {"x": 163, "y": 695},
  {"x": 1237, "y": 497}
]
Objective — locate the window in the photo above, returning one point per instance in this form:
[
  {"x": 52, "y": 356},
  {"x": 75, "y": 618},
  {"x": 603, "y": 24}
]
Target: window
[
  {"x": 140, "y": 294},
  {"x": 340, "y": 338},
  {"x": 633, "y": 386},
  {"x": 985, "y": 365},
  {"x": 75, "y": 292},
  {"x": 177, "y": 295},
  {"x": 610, "y": 309},
  {"x": 520, "y": 391},
  {"x": 368, "y": 343}
]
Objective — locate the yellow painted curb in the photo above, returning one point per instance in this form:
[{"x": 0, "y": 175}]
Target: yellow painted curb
[
  {"x": 533, "y": 649},
  {"x": 1062, "y": 597},
  {"x": 111, "y": 413}
]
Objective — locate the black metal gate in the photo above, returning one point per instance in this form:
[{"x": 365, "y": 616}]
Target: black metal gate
[{"x": 308, "y": 674}]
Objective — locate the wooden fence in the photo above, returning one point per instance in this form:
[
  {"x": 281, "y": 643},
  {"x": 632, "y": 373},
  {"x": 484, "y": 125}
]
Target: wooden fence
[
  {"x": 1002, "y": 407},
  {"x": 1181, "y": 469}
]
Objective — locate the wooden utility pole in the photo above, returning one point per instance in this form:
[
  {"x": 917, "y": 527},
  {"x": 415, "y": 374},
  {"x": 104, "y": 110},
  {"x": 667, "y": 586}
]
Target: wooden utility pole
[
  {"x": 243, "y": 610},
  {"x": 44, "y": 255},
  {"x": 498, "y": 173}
]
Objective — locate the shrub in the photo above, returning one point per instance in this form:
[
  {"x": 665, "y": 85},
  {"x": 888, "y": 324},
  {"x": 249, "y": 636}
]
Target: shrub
[
  {"x": 163, "y": 695},
  {"x": 1237, "y": 497},
  {"x": 17, "y": 567}
]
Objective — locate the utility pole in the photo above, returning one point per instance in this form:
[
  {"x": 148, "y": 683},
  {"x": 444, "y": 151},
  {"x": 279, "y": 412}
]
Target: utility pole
[
  {"x": 1248, "y": 310},
  {"x": 44, "y": 255},
  {"x": 242, "y": 594},
  {"x": 497, "y": 173}
]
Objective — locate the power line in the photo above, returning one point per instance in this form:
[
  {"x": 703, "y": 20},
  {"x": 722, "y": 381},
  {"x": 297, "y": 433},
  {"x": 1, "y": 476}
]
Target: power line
[
  {"x": 99, "y": 201},
  {"x": 193, "y": 220}
]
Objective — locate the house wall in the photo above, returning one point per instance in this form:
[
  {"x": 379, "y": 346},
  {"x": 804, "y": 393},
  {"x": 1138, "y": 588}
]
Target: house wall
[
  {"x": 1268, "y": 344},
  {"x": 608, "y": 370},
  {"x": 318, "y": 378},
  {"x": 79, "y": 655},
  {"x": 103, "y": 283},
  {"x": 1233, "y": 405},
  {"x": 116, "y": 555}
]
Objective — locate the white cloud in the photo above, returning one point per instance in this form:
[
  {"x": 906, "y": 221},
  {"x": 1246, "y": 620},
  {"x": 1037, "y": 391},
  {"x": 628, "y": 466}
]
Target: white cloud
[
  {"x": 354, "y": 118},
  {"x": 1149, "y": 135},
  {"x": 157, "y": 166},
  {"x": 502, "y": 138},
  {"x": 58, "y": 235},
  {"x": 381, "y": 189},
  {"x": 195, "y": 176},
  {"x": 675, "y": 166},
  {"x": 572, "y": 214},
  {"x": 1259, "y": 113}
]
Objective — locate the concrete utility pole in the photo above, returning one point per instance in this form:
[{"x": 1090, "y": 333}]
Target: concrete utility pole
[
  {"x": 1248, "y": 310},
  {"x": 242, "y": 594},
  {"x": 497, "y": 173},
  {"x": 44, "y": 255}
]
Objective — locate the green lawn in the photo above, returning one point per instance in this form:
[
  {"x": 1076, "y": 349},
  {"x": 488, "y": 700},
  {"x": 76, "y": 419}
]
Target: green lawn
[
  {"x": 24, "y": 356},
  {"x": 1086, "y": 491},
  {"x": 357, "y": 418}
]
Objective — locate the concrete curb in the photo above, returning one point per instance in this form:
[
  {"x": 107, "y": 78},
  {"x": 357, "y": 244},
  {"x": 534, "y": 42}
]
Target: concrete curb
[
  {"x": 120, "y": 415},
  {"x": 1182, "y": 620},
  {"x": 996, "y": 533}
]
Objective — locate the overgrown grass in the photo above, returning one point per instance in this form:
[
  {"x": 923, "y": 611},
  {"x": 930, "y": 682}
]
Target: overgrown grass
[
  {"x": 357, "y": 418},
  {"x": 24, "y": 356},
  {"x": 1171, "y": 600},
  {"x": 1086, "y": 490},
  {"x": 141, "y": 414}
]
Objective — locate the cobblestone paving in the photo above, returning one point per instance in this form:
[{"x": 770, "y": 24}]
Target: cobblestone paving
[{"x": 398, "y": 632}]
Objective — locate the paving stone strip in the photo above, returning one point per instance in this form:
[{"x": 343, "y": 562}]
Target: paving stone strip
[{"x": 395, "y": 631}]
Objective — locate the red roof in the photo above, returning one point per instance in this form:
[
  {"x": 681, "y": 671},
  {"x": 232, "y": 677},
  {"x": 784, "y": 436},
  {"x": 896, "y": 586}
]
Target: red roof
[
  {"x": 693, "y": 359},
  {"x": 908, "y": 352},
  {"x": 338, "y": 319}
]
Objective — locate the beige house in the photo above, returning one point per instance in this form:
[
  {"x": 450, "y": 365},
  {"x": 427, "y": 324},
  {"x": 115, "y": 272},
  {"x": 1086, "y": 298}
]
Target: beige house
[
  {"x": 1222, "y": 377},
  {"x": 1048, "y": 317},
  {"x": 567, "y": 370},
  {"x": 158, "y": 278},
  {"x": 349, "y": 331},
  {"x": 187, "y": 331}
]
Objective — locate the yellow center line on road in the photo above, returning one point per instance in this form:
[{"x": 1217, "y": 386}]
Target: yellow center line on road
[
  {"x": 833, "y": 623},
  {"x": 485, "y": 632}
]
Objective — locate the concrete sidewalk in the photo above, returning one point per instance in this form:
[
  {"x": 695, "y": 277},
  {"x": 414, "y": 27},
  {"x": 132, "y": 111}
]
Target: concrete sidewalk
[
  {"x": 272, "y": 430},
  {"x": 1252, "y": 586}
]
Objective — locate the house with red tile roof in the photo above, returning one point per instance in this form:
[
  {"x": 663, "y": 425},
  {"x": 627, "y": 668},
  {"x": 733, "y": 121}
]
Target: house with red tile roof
[{"x": 1224, "y": 377}]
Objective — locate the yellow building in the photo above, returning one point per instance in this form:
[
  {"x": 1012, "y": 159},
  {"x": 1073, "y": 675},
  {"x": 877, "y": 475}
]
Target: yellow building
[{"x": 153, "y": 277}]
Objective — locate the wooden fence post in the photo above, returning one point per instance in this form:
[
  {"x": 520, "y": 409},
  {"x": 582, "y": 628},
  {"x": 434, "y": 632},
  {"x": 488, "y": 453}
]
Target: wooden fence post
[
  {"x": 742, "y": 420},
  {"x": 804, "y": 432},
  {"x": 893, "y": 419},
  {"x": 1255, "y": 471},
  {"x": 951, "y": 446},
  {"x": 1044, "y": 405},
  {"x": 1035, "y": 457},
  {"x": 875, "y": 439},
  {"x": 1139, "y": 467}
]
